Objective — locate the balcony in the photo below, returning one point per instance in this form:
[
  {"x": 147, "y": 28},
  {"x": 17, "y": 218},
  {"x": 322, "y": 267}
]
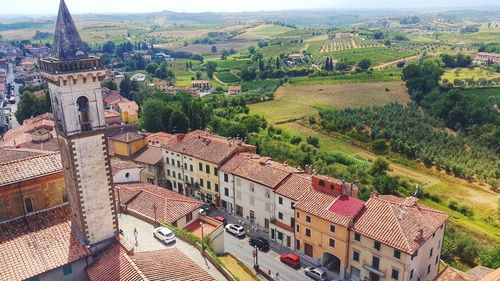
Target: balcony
[{"x": 374, "y": 270}]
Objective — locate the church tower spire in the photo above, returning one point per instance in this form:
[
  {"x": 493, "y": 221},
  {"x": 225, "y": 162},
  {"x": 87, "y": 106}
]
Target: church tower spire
[
  {"x": 67, "y": 42},
  {"x": 74, "y": 79}
]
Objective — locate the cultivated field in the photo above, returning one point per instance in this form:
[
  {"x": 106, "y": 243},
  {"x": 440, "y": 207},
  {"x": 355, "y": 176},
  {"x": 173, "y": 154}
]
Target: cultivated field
[
  {"x": 377, "y": 55},
  {"x": 263, "y": 31},
  {"x": 345, "y": 44},
  {"x": 294, "y": 101},
  {"x": 237, "y": 44},
  {"x": 465, "y": 73}
]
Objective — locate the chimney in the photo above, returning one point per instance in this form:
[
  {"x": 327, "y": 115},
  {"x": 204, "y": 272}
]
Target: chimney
[
  {"x": 374, "y": 194},
  {"x": 420, "y": 234}
]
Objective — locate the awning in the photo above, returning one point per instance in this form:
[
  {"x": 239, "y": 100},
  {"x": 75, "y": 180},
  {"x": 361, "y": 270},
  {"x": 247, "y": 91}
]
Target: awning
[{"x": 373, "y": 270}]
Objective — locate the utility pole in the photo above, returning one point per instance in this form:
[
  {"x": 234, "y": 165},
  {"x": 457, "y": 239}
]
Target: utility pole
[{"x": 202, "y": 240}]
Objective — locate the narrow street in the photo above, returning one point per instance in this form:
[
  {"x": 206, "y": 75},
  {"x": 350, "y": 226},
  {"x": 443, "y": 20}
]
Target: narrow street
[
  {"x": 13, "y": 107},
  {"x": 241, "y": 249}
]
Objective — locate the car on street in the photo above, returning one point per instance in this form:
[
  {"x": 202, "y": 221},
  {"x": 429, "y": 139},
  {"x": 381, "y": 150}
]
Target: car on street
[
  {"x": 236, "y": 230},
  {"x": 205, "y": 209},
  {"x": 221, "y": 219},
  {"x": 315, "y": 273},
  {"x": 259, "y": 242},
  {"x": 164, "y": 234},
  {"x": 290, "y": 259}
]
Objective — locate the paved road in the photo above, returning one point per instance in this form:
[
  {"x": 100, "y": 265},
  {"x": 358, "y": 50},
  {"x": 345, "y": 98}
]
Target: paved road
[
  {"x": 147, "y": 242},
  {"x": 270, "y": 260},
  {"x": 267, "y": 261},
  {"x": 13, "y": 107}
]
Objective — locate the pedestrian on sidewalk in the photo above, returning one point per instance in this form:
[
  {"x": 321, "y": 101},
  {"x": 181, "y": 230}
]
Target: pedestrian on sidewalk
[{"x": 136, "y": 235}]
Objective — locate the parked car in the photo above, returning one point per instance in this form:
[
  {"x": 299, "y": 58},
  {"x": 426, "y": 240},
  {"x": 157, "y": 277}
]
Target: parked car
[
  {"x": 261, "y": 243},
  {"x": 205, "y": 209},
  {"x": 164, "y": 234},
  {"x": 315, "y": 273},
  {"x": 290, "y": 259},
  {"x": 236, "y": 230},
  {"x": 221, "y": 219}
]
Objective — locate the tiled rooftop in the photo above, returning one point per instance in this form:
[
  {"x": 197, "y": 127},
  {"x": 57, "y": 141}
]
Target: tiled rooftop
[
  {"x": 128, "y": 137},
  {"x": 262, "y": 170},
  {"x": 320, "y": 204},
  {"x": 39, "y": 243},
  {"x": 207, "y": 147},
  {"x": 143, "y": 198},
  {"x": 119, "y": 165},
  {"x": 9, "y": 155},
  {"x": 29, "y": 168},
  {"x": 163, "y": 265},
  {"x": 397, "y": 222},
  {"x": 295, "y": 186},
  {"x": 150, "y": 155}
]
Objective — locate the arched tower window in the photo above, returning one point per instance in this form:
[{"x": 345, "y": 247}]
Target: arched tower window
[
  {"x": 28, "y": 205},
  {"x": 83, "y": 113}
]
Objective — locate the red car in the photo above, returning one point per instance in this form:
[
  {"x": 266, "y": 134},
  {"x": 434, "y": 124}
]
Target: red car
[
  {"x": 221, "y": 219},
  {"x": 290, "y": 259}
]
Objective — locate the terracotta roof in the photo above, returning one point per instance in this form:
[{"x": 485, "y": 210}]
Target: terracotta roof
[
  {"x": 199, "y": 82},
  {"x": 48, "y": 145},
  {"x": 113, "y": 97},
  {"x": 397, "y": 222},
  {"x": 162, "y": 265},
  {"x": 263, "y": 170},
  {"x": 39, "y": 243},
  {"x": 115, "y": 264},
  {"x": 159, "y": 138},
  {"x": 234, "y": 88},
  {"x": 493, "y": 276},
  {"x": 118, "y": 165},
  {"x": 320, "y": 204},
  {"x": 480, "y": 271},
  {"x": 143, "y": 197},
  {"x": 129, "y": 106},
  {"x": 29, "y": 168},
  {"x": 150, "y": 155},
  {"x": 295, "y": 186},
  {"x": 207, "y": 147},
  {"x": 453, "y": 274},
  {"x": 9, "y": 155},
  {"x": 21, "y": 135},
  {"x": 128, "y": 137},
  {"x": 109, "y": 113}
]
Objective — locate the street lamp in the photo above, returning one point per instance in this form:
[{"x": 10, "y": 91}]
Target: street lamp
[
  {"x": 202, "y": 242},
  {"x": 256, "y": 255}
]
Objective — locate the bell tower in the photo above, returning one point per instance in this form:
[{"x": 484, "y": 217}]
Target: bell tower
[{"x": 75, "y": 93}]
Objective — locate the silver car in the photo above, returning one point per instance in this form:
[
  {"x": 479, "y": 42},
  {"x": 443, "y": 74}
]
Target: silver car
[{"x": 315, "y": 273}]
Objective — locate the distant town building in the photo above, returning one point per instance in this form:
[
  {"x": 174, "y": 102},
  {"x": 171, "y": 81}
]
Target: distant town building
[
  {"x": 233, "y": 90},
  {"x": 201, "y": 85},
  {"x": 487, "y": 58},
  {"x": 341, "y": 35}
]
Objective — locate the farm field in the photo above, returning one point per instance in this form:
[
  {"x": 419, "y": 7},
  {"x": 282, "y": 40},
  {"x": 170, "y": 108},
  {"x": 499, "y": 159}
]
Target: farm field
[
  {"x": 377, "y": 55},
  {"x": 234, "y": 43},
  {"x": 263, "y": 31},
  {"x": 232, "y": 63},
  {"x": 345, "y": 44},
  {"x": 285, "y": 48},
  {"x": 180, "y": 71},
  {"x": 227, "y": 77},
  {"x": 294, "y": 101},
  {"x": 465, "y": 73}
]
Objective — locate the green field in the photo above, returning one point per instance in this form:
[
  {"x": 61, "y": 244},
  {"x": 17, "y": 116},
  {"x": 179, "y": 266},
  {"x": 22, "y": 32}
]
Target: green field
[
  {"x": 227, "y": 77},
  {"x": 295, "y": 101},
  {"x": 284, "y": 48},
  {"x": 179, "y": 68},
  {"x": 232, "y": 63},
  {"x": 377, "y": 55},
  {"x": 466, "y": 73},
  {"x": 263, "y": 31},
  {"x": 393, "y": 74}
]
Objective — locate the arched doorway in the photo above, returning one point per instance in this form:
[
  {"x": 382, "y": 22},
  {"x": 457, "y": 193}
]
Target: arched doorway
[
  {"x": 331, "y": 262},
  {"x": 169, "y": 185}
]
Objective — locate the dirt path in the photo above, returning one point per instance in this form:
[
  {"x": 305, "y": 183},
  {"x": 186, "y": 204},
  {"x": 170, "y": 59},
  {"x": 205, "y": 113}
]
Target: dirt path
[{"x": 394, "y": 62}]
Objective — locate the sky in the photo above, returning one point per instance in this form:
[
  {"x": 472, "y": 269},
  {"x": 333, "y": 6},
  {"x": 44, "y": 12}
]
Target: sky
[{"x": 49, "y": 7}]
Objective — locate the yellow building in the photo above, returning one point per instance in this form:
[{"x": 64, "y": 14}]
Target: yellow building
[
  {"x": 396, "y": 239},
  {"x": 192, "y": 163},
  {"x": 322, "y": 219},
  {"x": 127, "y": 144}
]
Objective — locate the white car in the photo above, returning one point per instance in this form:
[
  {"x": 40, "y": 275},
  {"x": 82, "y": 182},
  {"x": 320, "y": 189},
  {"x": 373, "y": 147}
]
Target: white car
[
  {"x": 315, "y": 273},
  {"x": 236, "y": 230},
  {"x": 164, "y": 234}
]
